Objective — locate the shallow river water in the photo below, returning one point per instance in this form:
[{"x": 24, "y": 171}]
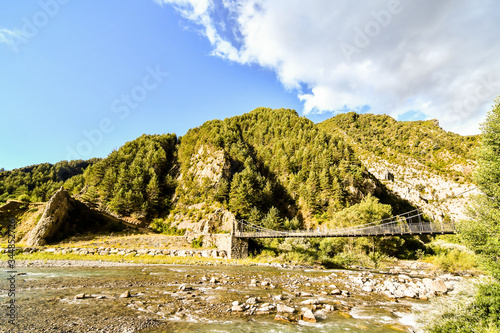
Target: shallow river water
[{"x": 45, "y": 299}]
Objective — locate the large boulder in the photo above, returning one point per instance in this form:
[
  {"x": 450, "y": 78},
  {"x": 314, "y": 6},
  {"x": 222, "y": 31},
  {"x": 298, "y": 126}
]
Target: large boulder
[
  {"x": 55, "y": 215},
  {"x": 64, "y": 216}
]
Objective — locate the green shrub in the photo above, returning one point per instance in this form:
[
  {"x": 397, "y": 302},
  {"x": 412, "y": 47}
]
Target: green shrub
[
  {"x": 24, "y": 198},
  {"x": 470, "y": 311},
  {"x": 164, "y": 227},
  {"x": 197, "y": 242},
  {"x": 453, "y": 260}
]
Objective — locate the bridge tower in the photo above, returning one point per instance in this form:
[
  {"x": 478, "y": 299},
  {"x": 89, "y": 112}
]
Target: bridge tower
[{"x": 238, "y": 247}]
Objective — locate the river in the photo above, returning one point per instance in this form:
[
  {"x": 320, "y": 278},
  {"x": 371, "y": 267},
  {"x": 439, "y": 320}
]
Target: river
[{"x": 195, "y": 299}]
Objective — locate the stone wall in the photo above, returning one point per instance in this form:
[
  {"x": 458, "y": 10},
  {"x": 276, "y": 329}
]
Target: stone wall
[{"x": 97, "y": 251}]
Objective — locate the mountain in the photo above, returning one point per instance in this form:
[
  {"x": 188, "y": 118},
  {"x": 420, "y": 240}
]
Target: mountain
[
  {"x": 418, "y": 160},
  {"x": 270, "y": 167}
]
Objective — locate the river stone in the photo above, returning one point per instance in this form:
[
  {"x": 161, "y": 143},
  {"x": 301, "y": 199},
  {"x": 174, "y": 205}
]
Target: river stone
[
  {"x": 410, "y": 293},
  {"x": 263, "y": 310},
  {"x": 237, "y": 308},
  {"x": 336, "y": 292},
  {"x": 403, "y": 278},
  {"x": 367, "y": 289},
  {"x": 252, "y": 300},
  {"x": 435, "y": 286},
  {"x": 449, "y": 285},
  {"x": 308, "y": 316},
  {"x": 310, "y": 302},
  {"x": 329, "y": 307},
  {"x": 284, "y": 308}
]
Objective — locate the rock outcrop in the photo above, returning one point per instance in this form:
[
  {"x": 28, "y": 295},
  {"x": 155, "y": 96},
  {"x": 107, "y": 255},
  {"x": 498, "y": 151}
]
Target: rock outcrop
[
  {"x": 210, "y": 164},
  {"x": 55, "y": 215},
  {"x": 218, "y": 220},
  {"x": 64, "y": 216}
]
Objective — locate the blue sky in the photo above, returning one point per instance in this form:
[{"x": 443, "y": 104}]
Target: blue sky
[{"x": 80, "y": 78}]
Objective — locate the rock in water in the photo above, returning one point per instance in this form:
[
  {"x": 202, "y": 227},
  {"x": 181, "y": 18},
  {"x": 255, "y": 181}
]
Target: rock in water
[
  {"x": 237, "y": 308},
  {"x": 286, "y": 317},
  {"x": 309, "y": 316},
  {"x": 284, "y": 308}
]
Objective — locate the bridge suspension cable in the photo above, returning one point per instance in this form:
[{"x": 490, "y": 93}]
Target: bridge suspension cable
[{"x": 402, "y": 224}]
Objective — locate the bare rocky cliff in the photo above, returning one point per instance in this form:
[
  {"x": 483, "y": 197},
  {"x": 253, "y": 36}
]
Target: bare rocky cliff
[{"x": 438, "y": 196}]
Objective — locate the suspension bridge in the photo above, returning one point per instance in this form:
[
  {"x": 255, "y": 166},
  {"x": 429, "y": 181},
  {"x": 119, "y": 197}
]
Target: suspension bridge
[{"x": 409, "y": 223}]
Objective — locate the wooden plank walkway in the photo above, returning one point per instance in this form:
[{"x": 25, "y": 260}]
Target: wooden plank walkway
[{"x": 390, "y": 229}]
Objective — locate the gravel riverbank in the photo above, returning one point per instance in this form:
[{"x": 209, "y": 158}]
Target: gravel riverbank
[{"x": 98, "y": 296}]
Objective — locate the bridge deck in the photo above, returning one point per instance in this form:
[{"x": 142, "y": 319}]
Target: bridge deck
[{"x": 372, "y": 231}]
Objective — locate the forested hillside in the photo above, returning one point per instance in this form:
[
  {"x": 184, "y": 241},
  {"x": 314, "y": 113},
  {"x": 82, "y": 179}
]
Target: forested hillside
[
  {"x": 270, "y": 167},
  {"x": 137, "y": 179},
  {"x": 418, "y": 160},
  {"x": 38, "y": 182},
  {"x": 273, "y": 165},
  {"x": 424, "y": 141}
]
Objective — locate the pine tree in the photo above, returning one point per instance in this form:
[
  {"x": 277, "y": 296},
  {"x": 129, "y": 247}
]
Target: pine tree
[
  {"x": 272, "y": 220},
  {"x": 153, "y": 191}
]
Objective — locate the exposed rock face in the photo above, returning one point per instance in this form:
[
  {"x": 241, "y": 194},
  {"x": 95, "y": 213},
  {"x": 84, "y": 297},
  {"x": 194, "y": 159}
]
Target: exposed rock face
[
  {"x": 219, "y": 219},
  {"x": 207, "y": 163},
  {"x": 436, "y": 194},
  {"x": 11, "y": 205},
  {"x": 55, "y": 215}
]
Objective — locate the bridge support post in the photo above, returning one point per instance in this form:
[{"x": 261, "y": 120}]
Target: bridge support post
[{"x": 238, "y": 248}]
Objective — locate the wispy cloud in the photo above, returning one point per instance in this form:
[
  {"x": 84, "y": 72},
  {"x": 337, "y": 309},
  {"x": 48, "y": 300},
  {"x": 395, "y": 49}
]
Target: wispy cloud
[
  {"x": 437, "y": 58},
  {"x": 10, "y": 37},
  {"x": 199, "y": 11}
]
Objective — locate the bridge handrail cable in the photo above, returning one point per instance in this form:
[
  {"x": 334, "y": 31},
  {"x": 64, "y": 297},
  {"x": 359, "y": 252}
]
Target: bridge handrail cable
[{"x": 394, "y": 220}]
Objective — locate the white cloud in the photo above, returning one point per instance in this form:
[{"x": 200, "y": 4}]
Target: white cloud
[
  {"x": 435, "y": 57},
  {"x": 10, "y": 37}
]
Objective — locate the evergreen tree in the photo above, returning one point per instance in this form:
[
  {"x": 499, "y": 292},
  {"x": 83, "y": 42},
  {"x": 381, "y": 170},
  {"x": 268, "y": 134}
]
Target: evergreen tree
[
  {"x": 482, "y": 231},
  {"x": 272, "y": 220}
]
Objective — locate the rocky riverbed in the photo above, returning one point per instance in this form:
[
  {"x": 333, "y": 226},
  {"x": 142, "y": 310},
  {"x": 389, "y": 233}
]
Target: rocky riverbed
[{"x": 118, "y": 297}]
